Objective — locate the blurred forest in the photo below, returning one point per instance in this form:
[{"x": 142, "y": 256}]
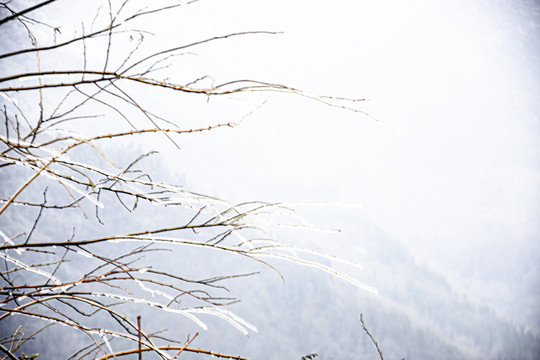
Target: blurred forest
[{"x": 416, "y": 316}]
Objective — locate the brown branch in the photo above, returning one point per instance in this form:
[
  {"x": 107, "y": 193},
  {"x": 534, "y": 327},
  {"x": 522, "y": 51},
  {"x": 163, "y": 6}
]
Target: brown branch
[
  {"x": 200, "y": 42},
  {"x": 139, "y": 336},
  {"x": 55, "y": 46},
  {"x": 197, "y": 351},
  {"x": 371, "y": 337},
  {"x": 109, "y": 281},
  {"x": 185, "y": 345},
  {"x": 27, "y": 10}
]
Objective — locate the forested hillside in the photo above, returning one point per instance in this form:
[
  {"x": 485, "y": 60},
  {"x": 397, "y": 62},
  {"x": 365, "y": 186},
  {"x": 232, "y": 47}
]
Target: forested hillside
[{"x": 417, "y": 314}]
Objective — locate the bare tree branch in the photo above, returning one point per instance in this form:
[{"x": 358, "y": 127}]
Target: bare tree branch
[
  {"x": 25, "y": 11},
  {"x": 89, "y": 278},
  {"x": 371, "y": 337}
]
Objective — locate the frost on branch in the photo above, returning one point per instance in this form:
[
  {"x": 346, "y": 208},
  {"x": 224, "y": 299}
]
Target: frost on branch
[{"x": 77, "y": 196}]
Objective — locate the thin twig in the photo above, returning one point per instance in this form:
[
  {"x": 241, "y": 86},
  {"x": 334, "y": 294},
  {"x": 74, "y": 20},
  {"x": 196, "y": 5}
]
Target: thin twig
[
  {"x": 185, "y": 345},
  {"x": 371, "y": 337}
]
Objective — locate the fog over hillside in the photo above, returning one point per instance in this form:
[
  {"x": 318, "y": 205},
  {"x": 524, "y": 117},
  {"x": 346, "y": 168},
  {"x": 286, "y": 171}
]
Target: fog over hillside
[
  {"x": 417, "y": 314},
  {"x": 453, "y": 171}
]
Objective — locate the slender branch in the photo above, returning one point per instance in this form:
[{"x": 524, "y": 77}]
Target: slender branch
[
  {"x": 25, "y": 11},
  {"x": 196, "y": 351},
  {"x": 371, "y": 337},
  {"x": 56, "y": 46},
  {"x": 7, "y": 352},
  {"x": 189, "y": 341},
  {"x": 74, "y": 279}
]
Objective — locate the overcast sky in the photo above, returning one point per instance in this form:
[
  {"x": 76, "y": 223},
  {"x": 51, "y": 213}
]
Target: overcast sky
[
  {"x": 455, "y": 82},
  {"x": 455, "y": 166}
]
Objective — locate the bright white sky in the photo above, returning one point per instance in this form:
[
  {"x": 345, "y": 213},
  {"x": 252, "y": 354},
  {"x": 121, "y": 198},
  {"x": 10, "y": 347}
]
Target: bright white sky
[{"x": 457, "y": 79}]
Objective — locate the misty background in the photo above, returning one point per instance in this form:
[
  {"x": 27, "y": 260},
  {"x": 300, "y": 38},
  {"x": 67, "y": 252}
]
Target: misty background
[
  {"x": 451, "y": 169},
  {"x": 436, "y": 192}
]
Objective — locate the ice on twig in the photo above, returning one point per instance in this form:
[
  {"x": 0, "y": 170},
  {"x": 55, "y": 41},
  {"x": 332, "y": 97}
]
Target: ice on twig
[{"x": 29, "y": 268}]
